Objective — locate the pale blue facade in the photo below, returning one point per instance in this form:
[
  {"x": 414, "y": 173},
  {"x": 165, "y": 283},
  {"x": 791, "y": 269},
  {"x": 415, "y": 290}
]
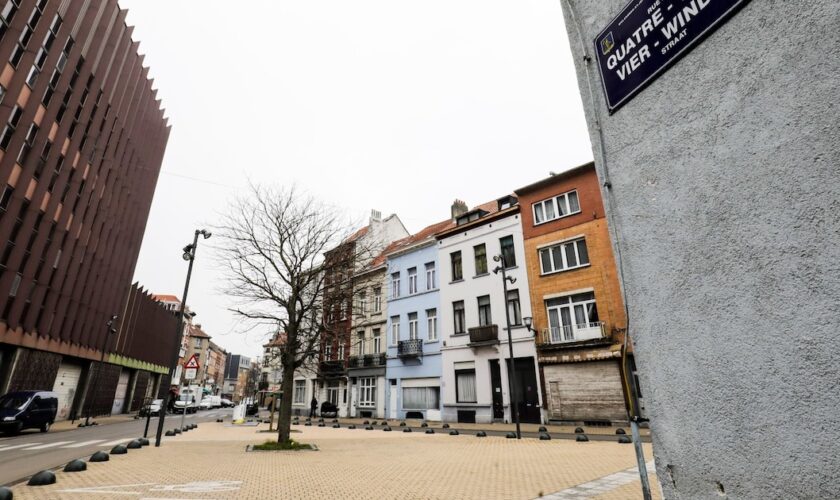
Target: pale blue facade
[{"x": 413, "y": 388}]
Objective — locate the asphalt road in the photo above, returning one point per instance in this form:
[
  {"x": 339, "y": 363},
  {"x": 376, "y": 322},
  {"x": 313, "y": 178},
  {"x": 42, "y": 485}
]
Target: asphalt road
[{"x": 33, "y": 451}]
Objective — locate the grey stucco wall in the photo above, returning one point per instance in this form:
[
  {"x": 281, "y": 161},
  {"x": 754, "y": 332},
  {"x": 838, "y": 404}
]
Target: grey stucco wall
[{"x": 725, "y": 197}]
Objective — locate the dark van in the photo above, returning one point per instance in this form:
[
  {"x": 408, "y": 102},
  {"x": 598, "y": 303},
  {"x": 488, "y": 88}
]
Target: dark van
[{"x": 27, "y": 410}]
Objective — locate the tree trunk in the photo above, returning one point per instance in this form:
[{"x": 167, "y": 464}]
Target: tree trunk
[{"x": 284, "y": 422}]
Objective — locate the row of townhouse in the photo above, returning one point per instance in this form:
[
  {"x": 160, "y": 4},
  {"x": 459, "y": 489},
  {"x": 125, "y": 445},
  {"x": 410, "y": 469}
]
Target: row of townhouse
[{"x": 419, "y": 327}]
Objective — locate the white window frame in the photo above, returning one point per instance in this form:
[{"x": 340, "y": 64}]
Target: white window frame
[
  {"x": 552, "y": 202},
  {"x": 377, "y": 342},
  {"x": 377, "y": 300},
  {"x": 395, "y": 285},
  {"x": 412, "y": 281},
  {"x": 430, "y": 276},
  {"x": 431, "y": 324},
  {"x": 395, "y": 330},
  {"x": 564, "y": 264},
  {"x": 300, "y": 392},
  {"x": 363, "y": 302},
  {"x": 412, "y": 326},
  {"x": 367, "y": 392}
]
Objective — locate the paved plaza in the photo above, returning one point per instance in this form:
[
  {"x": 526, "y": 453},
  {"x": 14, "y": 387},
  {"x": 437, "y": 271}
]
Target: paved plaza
[{"x": 211, "y": 463}]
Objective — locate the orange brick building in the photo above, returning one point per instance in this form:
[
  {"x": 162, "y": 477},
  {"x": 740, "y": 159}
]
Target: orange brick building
[{"x": 578, "y": 312}]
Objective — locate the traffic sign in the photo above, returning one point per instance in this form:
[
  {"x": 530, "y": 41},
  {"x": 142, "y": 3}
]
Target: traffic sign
[
  {"x": 192, "y": 362},
  {"x": 189, "y": 373}
]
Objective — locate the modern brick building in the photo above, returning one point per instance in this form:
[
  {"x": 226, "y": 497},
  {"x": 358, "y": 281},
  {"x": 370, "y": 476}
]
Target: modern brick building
[
  {"x": 83, "y": 137},
  {"x": 578, "y": 313}
]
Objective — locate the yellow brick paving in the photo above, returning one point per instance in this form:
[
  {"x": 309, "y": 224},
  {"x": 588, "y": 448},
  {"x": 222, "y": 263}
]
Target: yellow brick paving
[{"x": 349, "y": 464}]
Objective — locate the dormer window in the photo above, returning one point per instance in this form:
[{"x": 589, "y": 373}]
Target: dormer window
[
  {"x": 470, "y": 216},
  {"x": 507, "y": 202}
]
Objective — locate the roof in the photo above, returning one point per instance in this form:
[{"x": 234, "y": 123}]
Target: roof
[
  {"x": 279, "y": 340},
  {"x": 196, "y": 331},
  {"x": 555, "y": 178},
  {"x": 418, "y": 237},
  {"x": 166, "y": 298},
  {"x": 358, "y": 234},
  {"x": 492, "y": 213}
]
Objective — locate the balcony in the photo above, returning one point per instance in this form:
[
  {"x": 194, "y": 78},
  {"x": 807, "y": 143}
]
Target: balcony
[
  {"x": 331, "y": 368},
  {"x": 410, "y": 348},
  {"x": 483, "y": 335},
  {"x": 573, "y": 333},
  {"x": 366, "y": 361}
]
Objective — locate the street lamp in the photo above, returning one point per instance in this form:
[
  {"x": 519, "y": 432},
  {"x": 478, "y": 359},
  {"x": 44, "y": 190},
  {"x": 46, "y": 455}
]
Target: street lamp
[
  {"x": 188, "y": 255},
  {"x": 514, "y": 400},
  {"x": 110, "y": 331}
]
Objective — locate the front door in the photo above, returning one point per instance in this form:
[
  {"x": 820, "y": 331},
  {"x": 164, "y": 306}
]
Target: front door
[
  {"x": 527, "y": 394},
  {"x": 392, "y": 404},
  {"x": 496, "y": 385}
]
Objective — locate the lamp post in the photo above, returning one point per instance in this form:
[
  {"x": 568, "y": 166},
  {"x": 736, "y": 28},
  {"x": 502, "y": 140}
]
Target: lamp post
[
  {"x": 514, "y": 400},
  {"x": 110, "y": 331},
  {"x": 189, "y": 255}
]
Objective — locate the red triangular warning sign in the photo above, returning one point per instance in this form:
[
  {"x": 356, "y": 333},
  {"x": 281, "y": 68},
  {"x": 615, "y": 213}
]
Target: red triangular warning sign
[{"x": 192, "y": 362}]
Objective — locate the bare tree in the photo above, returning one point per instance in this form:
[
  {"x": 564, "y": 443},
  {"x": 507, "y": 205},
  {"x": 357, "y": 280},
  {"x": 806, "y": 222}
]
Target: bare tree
[{"x": 273, "y": 243}]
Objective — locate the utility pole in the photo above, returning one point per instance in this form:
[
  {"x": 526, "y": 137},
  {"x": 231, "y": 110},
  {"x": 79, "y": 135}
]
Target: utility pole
[
  {"x": 514, "y": 400},
  {"x": 189, "y": 255}
]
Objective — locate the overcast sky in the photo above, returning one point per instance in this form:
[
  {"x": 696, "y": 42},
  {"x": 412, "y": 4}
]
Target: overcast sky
[{"x": 394, "y": 105}]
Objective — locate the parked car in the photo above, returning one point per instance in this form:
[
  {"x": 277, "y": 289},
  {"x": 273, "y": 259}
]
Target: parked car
[
  {"x": 329, "y": 410},
  {"x": 205, "y": 403},
  {"x": 153, "y": 408},
  {"x": 215, "y": 401},
  {"x": 226, "y": 403},
  {"x": 27, "y": 410}
]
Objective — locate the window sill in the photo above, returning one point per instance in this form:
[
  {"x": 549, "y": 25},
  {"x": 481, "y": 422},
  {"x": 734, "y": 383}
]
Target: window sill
[
  {"x": 481, "y": 275},
  {"x": 567, "y": 269},
  {"x": 456, "y": 281},
  {"x": 460, "y": 334}
]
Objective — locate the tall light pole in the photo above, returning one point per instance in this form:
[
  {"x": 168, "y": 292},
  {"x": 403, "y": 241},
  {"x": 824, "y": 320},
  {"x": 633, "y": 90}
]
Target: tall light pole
[
  {"x": 189, "y": 255},
  {"x": 110, "y": 331},
  {"x": 514, "y": 400}
]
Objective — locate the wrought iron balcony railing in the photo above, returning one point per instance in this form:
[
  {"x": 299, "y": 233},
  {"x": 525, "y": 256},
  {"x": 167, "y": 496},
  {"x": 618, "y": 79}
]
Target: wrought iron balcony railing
[
  {"x": 484, "y": 335},
  {"x": 410, "y": 348}
]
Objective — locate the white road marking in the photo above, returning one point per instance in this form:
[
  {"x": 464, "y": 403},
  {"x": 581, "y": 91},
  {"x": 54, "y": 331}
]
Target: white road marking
[
  {"x": 83, "y": 443},
  {"x": 48, "y": 445},
  {"x": 12, "y": 447}
]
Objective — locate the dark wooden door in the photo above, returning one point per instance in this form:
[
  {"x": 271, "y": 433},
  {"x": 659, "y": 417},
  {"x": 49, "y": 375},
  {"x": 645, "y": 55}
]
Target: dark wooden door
[
  {"x": 496, "y": 385},
  {"x": 527, "y": 394}
]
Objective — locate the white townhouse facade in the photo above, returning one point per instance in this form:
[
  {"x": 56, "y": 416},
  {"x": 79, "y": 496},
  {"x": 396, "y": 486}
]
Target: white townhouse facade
[{"x": 475, "y": 353}]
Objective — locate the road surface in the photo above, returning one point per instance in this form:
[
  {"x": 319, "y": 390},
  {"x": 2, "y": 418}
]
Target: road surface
[{"x": 33, "y": 451}]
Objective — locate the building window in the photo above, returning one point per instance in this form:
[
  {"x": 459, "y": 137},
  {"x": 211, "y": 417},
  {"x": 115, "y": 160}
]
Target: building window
[
  {"x": 395, "y": 330},
  {"x": 421, "y": 398},
  {"x": 484, "y": 316},
  {"x": 341, "y": 352},
  {"x": 412, "y": 326},
  {"x": 6, "y": 197},
  {"x": 457, "y": 269},
  {"x": 458, "y": 314},
  {"x": 377, "y": 299},
  {"x": 395, "y": 285},
  {"x": 430, "y": 276},
  {"x": 465, "y": 386},
  {"x": 6, "y": 15},
  {"x": 514, "y": 311},
  {"x": 300, "y": 391},
  {"x": 367, "y": 391},
  {"x": 508, "y": 252},
  {"x": 361, "y": 344},
  {"x": 362, "y": 303},
  {"x": 431, "y": 323},
  {"x": 327, "y": 352},
  {"x": 11, "y": 125},
  {"x": 412, "y": 281},
  {"x": 573, "y": 317},
  {"x": 198, "y": 343},
  {"x": 554, "y": 208},
  {"x": 377, "y": 341},
  {"x": 480, "y": 259},
  {"x": 564, "y": 256}
]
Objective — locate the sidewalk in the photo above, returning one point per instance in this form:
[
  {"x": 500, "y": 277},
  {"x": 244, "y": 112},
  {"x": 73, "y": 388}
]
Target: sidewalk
[{"x": 211, "y": 463}]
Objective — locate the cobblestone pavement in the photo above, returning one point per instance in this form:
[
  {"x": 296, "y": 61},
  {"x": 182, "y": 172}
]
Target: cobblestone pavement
[{"x": 211, "y": 463}]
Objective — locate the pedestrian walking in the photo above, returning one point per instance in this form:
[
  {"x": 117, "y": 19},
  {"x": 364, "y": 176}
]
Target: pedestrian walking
[{"x": 312, "y": 407}]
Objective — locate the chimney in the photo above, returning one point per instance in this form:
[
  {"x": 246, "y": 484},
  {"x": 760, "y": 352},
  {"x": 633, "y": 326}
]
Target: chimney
[
  {"x": 459, "y": 208},
  {"x": 375, "y": 216}
]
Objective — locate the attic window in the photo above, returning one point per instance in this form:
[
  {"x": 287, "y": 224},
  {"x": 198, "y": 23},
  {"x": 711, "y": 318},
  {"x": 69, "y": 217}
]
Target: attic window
[
  {"x": 507, "y": 202},
  {"x": 470, "y": 216}
]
